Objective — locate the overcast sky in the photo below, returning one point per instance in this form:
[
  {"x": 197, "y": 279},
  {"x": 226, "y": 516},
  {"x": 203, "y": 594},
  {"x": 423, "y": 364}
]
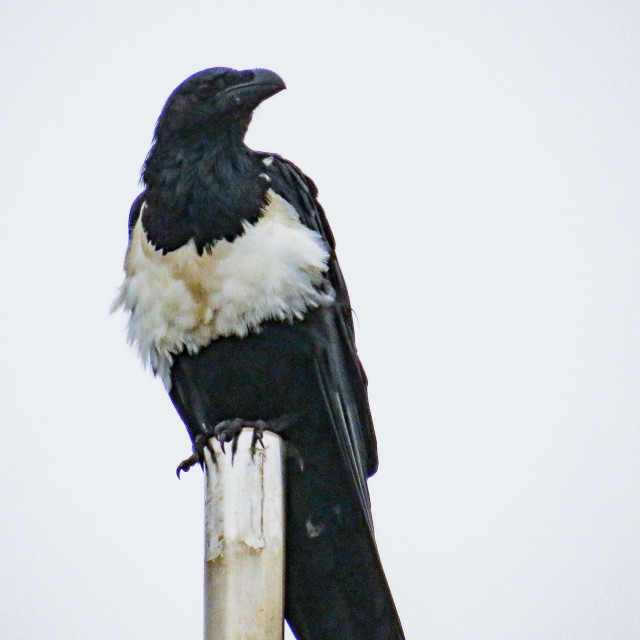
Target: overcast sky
[{"x": 480, "y": 166}]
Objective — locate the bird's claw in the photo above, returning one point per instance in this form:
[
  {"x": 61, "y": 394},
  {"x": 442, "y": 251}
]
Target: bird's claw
[
  {"x": 186, "y": 464},
  {"x": 258, "y": 433},
  {"x": 197, "y": 457},
  {"x": 229, "y": 431}
]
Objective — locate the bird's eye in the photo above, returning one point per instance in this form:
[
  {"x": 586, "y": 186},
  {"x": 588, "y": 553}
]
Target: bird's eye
[{"x": 204, "y": 90}]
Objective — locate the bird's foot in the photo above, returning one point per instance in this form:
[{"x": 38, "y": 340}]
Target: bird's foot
[
  {"x": 197, "y": 457},
  {"x": 229, "y": 431}
]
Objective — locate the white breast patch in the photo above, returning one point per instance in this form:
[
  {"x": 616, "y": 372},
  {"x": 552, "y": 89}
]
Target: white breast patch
[{"x": 182, "y": 300}]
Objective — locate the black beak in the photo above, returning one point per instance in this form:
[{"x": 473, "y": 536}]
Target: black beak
[{"x": 262, "y": 85}]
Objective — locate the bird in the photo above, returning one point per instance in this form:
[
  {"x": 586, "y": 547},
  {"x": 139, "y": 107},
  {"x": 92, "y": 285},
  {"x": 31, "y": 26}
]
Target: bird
[{"x": 236, "y": 300}]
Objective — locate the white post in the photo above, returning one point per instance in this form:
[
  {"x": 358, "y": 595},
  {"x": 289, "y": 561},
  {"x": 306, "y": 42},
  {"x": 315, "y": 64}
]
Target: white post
[{"x": 244, "y": 541}]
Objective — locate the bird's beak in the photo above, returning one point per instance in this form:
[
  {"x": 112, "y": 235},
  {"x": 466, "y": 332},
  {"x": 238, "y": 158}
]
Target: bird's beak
[{"x": 262, "y": 85}]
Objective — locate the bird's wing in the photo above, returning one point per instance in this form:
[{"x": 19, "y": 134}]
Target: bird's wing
[
  {"x": 340, "y": 373},
  {"x": 134, "y": 213}
]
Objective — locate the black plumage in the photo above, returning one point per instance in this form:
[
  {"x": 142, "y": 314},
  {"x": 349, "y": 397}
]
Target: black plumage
[{"x": 204, "y": 186}]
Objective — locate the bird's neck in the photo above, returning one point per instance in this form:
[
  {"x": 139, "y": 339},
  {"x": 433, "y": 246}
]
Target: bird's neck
[
  {"x": 178, "y": 158},
  {"x": 202, "y": 188}
]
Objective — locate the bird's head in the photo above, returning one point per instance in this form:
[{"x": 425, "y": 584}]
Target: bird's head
[{"x": 215, "y": 101}]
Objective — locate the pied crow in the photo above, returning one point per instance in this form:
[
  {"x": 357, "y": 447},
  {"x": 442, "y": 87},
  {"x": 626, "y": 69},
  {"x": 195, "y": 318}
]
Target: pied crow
[{"x": 238, "y": 304}]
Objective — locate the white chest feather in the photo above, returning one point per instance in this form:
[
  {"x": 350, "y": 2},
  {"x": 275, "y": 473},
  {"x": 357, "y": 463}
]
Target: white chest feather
[{"x": 182, "y": 300}]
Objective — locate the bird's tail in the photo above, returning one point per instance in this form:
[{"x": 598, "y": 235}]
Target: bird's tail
[{"x": 335, "y": 585}]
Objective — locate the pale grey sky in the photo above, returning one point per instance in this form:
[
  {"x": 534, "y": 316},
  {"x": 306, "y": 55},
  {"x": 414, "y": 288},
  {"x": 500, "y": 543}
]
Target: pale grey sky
[{"x": 479, "y": 163}]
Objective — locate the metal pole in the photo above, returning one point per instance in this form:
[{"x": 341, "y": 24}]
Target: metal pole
[{"x": 244, "y": 541}]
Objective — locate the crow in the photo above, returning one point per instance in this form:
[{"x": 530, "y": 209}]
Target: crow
[{"x": 238, "y": 304}]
